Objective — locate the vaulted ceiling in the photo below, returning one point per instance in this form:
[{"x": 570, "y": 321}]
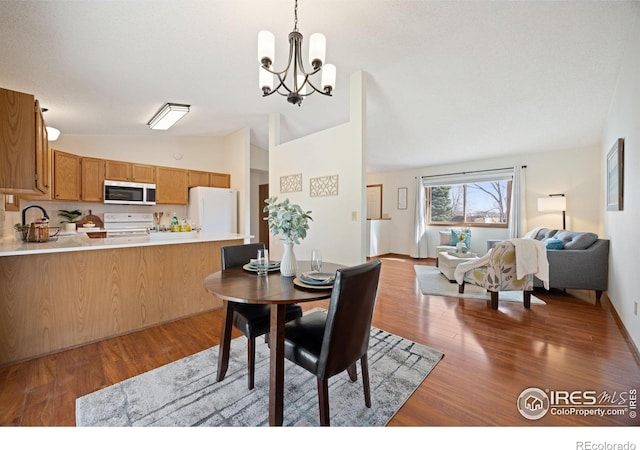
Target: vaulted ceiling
[{"x": 447, "y": 81}]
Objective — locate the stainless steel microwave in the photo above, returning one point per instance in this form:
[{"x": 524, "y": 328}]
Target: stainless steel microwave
[{"x": 127, "y": 193}]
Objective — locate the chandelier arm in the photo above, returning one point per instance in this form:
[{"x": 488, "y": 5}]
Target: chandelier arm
[{"x": 315, "y": 89}]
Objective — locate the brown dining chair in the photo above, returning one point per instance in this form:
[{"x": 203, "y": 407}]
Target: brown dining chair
[
  {"x": 251, "y": 320},
  {"x": 329, "y": 343}
]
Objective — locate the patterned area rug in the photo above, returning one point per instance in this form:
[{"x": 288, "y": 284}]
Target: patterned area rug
[
  {"x": 185, "y": 393},
  {"x": 432, "y": 282}
]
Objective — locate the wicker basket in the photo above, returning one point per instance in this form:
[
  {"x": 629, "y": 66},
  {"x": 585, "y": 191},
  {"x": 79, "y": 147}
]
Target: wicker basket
[{"x": 35, "y": 234}]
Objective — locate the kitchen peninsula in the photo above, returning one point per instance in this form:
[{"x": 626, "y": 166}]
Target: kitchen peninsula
[{"x": 75, "y": 290}]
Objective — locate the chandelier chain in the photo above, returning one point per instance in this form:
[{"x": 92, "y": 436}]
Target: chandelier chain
[{"x": 295, "y": 13}]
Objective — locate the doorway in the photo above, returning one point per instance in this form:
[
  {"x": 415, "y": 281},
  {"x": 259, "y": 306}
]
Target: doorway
[{"x": 263, "y": 227}]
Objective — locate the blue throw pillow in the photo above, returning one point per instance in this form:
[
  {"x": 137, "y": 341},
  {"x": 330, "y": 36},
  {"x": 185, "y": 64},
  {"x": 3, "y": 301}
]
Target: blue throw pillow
[
  {"x": 455, "y": 240},
  {"x": 554, "y": 244}
]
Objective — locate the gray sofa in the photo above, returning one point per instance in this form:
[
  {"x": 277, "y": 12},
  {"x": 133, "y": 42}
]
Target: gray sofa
[{"x": 582, "y": 263}]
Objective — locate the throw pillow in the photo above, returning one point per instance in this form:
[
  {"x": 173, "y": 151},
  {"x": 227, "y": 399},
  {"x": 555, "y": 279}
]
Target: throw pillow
[
  {"x": 454, "y": 237},
  {"x": 575, "y": 240},
  {"x": 554, "y": 244},
  {"x": 445, "y": 238}
]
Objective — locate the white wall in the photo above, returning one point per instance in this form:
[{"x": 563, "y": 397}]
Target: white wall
[
  {"x": 622, "y": 226},
  {"x": 577, "y": 173},
  {"x": 333, "y": 229},
  {"x": 237, "y": 159}
]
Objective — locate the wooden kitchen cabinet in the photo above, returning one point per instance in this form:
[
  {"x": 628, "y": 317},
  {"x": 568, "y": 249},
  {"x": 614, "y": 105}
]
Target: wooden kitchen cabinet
[
  {"x": 125, "y": 171},
  {"x": 23, "y": 144},
  {"x": 43, "y": 153},
  {"x": 143, "y": 173},
  {"x": 92, "y": 179},
  {"x": 197, "y": 178},
  {"x": 172, "y": 186},
  {"x": 66, "y": 176},
  {"x": 221, "y": 180},
  {"x": 208, "y": 179}
]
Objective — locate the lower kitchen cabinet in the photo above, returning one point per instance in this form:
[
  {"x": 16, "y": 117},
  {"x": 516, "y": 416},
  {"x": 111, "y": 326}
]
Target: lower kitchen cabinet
[{"x": 55, "y": 301}]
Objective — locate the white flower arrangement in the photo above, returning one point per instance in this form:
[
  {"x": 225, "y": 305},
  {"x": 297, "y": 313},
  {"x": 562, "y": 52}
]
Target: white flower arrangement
[{"x": 287, "y": 220}]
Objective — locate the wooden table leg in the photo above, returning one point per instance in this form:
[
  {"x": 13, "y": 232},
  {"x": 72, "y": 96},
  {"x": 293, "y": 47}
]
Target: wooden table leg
[
  {"x": 276, "y": 363},
  {"x": 225, "y": 339}
]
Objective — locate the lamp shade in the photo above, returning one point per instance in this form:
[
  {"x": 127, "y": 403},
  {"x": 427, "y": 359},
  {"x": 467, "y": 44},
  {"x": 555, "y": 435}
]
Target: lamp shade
[
  {"x": 317, "y": 48},
  {"x": 329, "y": 77},
  {"x": 266, "y": 46},
  {"x": 552, "y": 204}
]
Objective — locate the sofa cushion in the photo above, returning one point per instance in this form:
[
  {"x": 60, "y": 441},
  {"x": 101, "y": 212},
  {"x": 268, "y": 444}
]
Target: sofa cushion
[
  {"x": 575, "y": 240},
  {"x": 553, "y": 244},
  {"x": 545, "y": 233},
  {"x": 445, "y": 238}
]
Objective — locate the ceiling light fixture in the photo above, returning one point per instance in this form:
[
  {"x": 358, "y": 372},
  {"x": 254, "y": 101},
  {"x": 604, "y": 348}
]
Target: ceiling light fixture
[
  {"x": 52, "y": 134},
  {"x": 555, "y": 202},
  {"x": 169, "y": 114},
  {"x": 299, "y": 76}
]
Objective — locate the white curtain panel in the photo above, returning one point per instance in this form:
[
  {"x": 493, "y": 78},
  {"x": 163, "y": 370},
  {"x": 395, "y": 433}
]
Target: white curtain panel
[
  {"x": 419, "y": 241},
  {"x": 518, "y": 216}
]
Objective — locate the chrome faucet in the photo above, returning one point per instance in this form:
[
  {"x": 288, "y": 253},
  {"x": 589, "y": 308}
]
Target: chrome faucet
[{"x": 24, "y": 213}]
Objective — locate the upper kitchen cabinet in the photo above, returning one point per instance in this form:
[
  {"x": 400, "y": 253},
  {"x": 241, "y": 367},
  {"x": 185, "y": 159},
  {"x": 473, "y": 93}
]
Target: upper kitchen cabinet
[
  {"x": 172, "y": 186},
  {"x": 66, "y": 176},
  {"x": 44, "y": 158},
  {"x": 23, "y": 145},
  {"x": 220, "y": 180},
  {"x": 92, "y": 179},
  {"x": 208, "y": 179},
  {"x": 125, "y": 171}
]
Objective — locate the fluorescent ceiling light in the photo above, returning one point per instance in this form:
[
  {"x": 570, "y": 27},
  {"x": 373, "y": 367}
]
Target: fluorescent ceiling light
[
  {"x": 53, "y": 134},
  {"x": 169, "y": 114}
]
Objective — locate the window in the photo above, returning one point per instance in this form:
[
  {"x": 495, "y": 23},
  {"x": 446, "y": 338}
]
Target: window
[{"x": 484, "y": 203}]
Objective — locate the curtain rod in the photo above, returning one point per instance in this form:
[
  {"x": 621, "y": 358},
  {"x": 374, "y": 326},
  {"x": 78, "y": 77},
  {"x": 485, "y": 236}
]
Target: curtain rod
[{"x": 465, "y": 173}]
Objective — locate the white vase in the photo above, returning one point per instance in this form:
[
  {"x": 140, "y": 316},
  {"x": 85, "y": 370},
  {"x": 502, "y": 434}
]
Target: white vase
[
  {"x": 288, "y": 265},
  {"x": 460, "y": 247},
  {"x": 69, "y": 226}
]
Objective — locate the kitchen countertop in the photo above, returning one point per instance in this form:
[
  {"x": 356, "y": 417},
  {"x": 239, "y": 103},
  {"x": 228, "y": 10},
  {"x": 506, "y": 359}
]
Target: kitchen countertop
[{"x": 81, "y": 242}]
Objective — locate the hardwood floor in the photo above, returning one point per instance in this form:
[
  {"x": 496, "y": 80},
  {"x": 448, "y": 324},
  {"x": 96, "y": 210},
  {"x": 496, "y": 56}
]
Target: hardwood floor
[{"x": 570, "y": 344}]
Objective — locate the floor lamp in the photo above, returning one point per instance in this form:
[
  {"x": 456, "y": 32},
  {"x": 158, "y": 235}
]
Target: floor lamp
[{"x": 554, "y": 202}]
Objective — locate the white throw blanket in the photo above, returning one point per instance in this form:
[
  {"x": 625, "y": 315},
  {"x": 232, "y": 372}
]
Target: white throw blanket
[
  {"x": 465, "y": 267},
  {"x": 531, "y": 258}
]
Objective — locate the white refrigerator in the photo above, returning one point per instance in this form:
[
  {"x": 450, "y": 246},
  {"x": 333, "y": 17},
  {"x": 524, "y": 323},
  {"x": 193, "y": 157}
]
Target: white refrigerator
[{"x": 213, "y": 209}]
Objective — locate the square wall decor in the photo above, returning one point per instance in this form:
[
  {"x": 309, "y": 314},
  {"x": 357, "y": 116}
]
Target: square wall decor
[
  {"x": 291, "y": 183},
  {"x": 323, "y": 186}
]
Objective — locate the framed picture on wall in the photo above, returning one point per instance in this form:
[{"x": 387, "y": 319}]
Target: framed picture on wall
[
  {"x": 402, "y": 198},
  {"x": 615, "y": 176}
]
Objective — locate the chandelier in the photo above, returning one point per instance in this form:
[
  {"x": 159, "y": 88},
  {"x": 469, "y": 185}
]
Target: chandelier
[{"x": 295, "y": 87}]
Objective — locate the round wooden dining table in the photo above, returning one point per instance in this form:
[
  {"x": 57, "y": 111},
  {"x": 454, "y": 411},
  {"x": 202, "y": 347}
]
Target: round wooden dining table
[{"x": 237, "y": 285}]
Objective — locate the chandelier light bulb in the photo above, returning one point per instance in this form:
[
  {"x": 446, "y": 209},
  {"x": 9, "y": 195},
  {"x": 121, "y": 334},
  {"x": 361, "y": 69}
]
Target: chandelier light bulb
[
  {"x": 328, "y": 78},
  {"x": 266, "y": 47},
  {"x": 317, "y": 49}
]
